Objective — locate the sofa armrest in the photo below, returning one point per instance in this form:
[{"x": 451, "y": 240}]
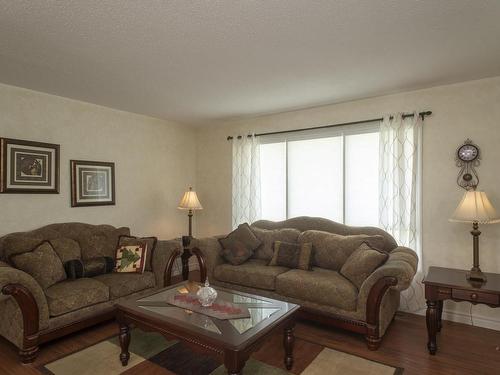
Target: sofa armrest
[
  {"x": 29, "y": 312},
  {"x": 163, "y": 250},
  {"x": 401, "y": 266},
  {"x": 211, "y": 251}
]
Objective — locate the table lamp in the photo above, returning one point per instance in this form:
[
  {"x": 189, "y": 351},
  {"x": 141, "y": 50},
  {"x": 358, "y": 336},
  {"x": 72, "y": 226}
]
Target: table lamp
[
  {"x": 475, "y": 208},
  {"x": 190, "y": 202}
]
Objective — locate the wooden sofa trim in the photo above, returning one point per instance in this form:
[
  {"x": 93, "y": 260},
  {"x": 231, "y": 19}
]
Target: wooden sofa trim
[{"x": 31, "y": 316}]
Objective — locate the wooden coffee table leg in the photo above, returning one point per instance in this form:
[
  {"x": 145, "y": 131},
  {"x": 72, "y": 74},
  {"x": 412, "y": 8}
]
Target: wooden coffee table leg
[
  {"x": 124, "y": 343},
  {"x": 288, "y": 341},
  {"x": 234, "y": 362}
]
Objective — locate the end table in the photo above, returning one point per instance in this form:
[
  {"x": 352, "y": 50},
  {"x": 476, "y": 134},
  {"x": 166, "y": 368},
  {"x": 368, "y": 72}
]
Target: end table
[
  {"x": 186, "y": 254},
  {"x": 447, "y": 283}
]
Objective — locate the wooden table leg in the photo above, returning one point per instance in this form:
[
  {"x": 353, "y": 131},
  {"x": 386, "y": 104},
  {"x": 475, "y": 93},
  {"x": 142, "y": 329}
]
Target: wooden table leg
[
  {"x": 124, "y": 343},
  {"x": 432, "y": 325},
  {"x": 439, "y": 315},
  {"x": 234, "y": 362},
  {"x": 288, "y": 341}
]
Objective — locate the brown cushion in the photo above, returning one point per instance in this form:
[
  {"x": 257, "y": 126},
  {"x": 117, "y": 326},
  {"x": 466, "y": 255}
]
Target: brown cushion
[
  {"x": 97, "y": 243},
  {"x": 42, "y": 263},
  {"x": 292, "y": 255},
  {"x": 268, "y": 237},
  {"x": 321, "y": 286},
  {"x": 254, "y": 273},
  {"x": 362, "y": 262},
  {"x": 124, "y": 284},
  {"x": 71, "y": 295},
  {"x": 66, "y": 248},
  {"x": 149, "y": 241},
  {"x": 241, "y": 235},
  {"x": 332, "y": 250},
  {"x": 237, "y": 254}
]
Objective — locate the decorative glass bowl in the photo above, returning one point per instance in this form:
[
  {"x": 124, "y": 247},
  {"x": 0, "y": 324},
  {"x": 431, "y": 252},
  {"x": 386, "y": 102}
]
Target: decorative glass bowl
[{"x": 206, "y": 295}]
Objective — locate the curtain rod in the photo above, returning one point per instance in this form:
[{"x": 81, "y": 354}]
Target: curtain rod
[{"x": 405, "y": 115}]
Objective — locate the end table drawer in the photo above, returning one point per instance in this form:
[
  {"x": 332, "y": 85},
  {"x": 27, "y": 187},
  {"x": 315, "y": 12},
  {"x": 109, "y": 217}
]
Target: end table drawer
[{"x": 479, "y": 297}]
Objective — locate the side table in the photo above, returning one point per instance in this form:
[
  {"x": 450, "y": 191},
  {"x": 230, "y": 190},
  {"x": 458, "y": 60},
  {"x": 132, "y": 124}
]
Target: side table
[
  {"x": 447, "y": 283},
  {"x": 186, "y": 254}
]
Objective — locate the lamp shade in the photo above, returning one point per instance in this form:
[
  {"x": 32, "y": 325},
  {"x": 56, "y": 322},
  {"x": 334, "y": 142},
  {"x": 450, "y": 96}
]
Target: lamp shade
[
  {"x": 190, "y": 201},
  {"x": 475, "y": 207}
]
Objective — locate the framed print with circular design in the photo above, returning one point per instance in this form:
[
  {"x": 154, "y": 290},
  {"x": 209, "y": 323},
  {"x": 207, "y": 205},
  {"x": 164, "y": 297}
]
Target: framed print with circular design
[{"x": 28, "y": 167}]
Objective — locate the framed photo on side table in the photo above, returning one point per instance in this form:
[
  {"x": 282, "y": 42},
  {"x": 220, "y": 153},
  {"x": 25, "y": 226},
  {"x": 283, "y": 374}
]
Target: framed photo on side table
[
  {"x": 28, "y": 167},
  {"x": 92, "y": 183}
]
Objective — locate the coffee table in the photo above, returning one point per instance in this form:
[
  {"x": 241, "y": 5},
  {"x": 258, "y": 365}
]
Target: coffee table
[{"x": 230, "y": 340}]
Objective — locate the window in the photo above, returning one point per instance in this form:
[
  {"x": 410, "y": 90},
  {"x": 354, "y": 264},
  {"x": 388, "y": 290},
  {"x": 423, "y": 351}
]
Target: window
[{"x": 332, "y": 174}]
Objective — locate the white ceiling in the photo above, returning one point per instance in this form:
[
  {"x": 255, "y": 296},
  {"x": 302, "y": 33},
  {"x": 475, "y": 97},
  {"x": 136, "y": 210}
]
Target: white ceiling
[{"x": 202, "y": 61}]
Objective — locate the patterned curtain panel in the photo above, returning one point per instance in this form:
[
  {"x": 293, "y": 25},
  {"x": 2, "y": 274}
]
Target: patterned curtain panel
[
  {"x": 400, "y": 192},
  {"x": 246, "y": 180}
]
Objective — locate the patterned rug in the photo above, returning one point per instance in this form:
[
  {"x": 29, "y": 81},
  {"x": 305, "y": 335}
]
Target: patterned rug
[{"x": 152, "y": 354}]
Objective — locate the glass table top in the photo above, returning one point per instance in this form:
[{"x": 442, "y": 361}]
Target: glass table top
[{"x": 262, "y": 310}]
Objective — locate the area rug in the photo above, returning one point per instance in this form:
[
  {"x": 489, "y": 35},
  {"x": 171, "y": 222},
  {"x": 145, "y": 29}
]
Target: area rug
[{"x": 152, "y": 354}]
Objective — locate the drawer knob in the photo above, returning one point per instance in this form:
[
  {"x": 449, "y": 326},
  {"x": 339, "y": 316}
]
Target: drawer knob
[{"x": 473, "y": 296}]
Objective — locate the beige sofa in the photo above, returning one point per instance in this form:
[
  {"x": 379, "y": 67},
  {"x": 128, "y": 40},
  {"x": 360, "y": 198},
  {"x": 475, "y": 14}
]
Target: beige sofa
[
  {"x": 30, "y": 315},
  {"x": 324, "y": 294}
]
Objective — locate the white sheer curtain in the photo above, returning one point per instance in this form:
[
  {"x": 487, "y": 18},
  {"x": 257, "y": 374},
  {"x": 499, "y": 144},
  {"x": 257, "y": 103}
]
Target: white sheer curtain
[
  {"x": 246, "y": 180},
  {"x": 400, "y": 164}
]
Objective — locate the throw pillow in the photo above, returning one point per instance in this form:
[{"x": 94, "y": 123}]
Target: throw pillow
[
  {"x": 42, "y": 263},
  {"x": 134, "y": 241},
  {"x": 237, "y": 254},
  {"x": 66, "y": 248},
  {"x": 331, "y": 250},
  {"x": 77, "y": 269},
  {"x": 268, "y": 237},
  {"x": 131, "y": 258},
  {"x": 361, "y": 264},
  {"x": 292, "y": 255},
  {"x": 241, "y": 235}
]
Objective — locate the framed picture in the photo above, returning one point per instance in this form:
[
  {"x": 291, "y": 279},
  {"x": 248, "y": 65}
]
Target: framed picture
[
  {"x": 28, "y": 167},
  {"x": 92, "y": 183}
]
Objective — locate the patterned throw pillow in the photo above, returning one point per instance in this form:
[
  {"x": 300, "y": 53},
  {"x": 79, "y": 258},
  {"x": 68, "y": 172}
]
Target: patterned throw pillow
[
  {"x": 292, "y": 255},
  {"x": 237, "y": 254},
  {"x": 131, "y": 258},
  {"x": 269, "y": 236},
  {"x": 361, "y": 263},
  {"x": 242, "y": 235},
  {"x": 149, "y": 241},
  {"x": 42, "y": 263}
]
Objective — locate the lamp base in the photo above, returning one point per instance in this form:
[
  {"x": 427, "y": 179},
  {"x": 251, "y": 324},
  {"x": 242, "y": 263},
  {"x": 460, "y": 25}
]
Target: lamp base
[{"x": 475, "y": 274}]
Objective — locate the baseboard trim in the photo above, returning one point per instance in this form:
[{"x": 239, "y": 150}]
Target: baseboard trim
[{"x": 460, "y": 317}]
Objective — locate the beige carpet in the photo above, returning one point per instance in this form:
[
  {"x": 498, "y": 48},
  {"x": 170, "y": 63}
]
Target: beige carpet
[{"x": 151, "y": 353}]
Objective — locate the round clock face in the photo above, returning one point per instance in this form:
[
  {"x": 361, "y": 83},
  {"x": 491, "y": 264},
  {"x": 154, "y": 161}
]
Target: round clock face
[{"x": 468, "y": 152}]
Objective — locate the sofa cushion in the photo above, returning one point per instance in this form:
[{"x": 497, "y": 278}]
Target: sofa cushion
[
  {"x": 292, "y": 255},
  {"x": 71, "y": 295},
  {"x": 150, "y": 243},
  {"x": 123, "y": 284},
  {"x": 322, "y": 286},
  {"x": 254, "y": 273},
  {"x": 237, "y": 254},
  {"x": 67, "y": 249},
  {"x": 268, "y": 237},
  {"x": 241, "y": 235},
  {"x": 361, "y": 263},
  {"x": 332, "y": 250},
  {"x": 100, "y": 242},
  {"x": 43, "y": 264}
]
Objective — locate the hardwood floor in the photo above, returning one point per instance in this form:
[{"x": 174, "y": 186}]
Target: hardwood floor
[{"x": 462, "y": 349}]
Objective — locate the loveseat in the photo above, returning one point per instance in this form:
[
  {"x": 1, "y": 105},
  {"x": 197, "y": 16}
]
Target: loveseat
[
  {"x": 31, "y": 314},
  {"x": 323, "y": 293}
]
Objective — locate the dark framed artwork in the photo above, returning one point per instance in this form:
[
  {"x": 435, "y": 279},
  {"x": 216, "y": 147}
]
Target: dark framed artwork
[
  {"x": 92, "y": 183},
  {"x": 28, "y": 167}
]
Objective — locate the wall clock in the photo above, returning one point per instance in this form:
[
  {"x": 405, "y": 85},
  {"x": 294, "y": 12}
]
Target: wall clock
[{"x": 467, "y": 159}]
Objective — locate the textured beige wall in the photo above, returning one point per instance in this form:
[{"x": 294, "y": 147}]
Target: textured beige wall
[
  {"x": 154, "y": 160},
  {"x": 460, "y": 111}
]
